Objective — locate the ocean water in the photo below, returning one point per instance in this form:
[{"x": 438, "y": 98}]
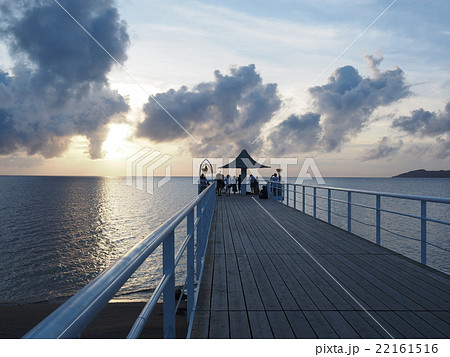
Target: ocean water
[{"x": 58, "y": 233}]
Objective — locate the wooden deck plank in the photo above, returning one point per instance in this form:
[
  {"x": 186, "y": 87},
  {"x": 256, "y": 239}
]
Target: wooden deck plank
[
  {"x": 336, "y": 295},
  {"x": 280, "y": 325},
  {"x": 375, "y": 293},
  {"x": 340, "y": 324},
  {"x": 320, "y": 325},
  {"x": 424, "y": 294},
  {"x": 364, "y": 324},
  {"x": 268, "y": 296},
  {"x": 259, "y": 324},
  {"x": 252, "y": 296},
  {"x": 259, "y": 282},
  {"x": 348, "y": 283},
  {"x": 396, "y": 326},
  {"x": 219, "y": 324},
  {"x": 235, "y": 293},
  {"x": 411, "y": 293},
  {"x": 282, "y": 291},
  {"x": 239, "y": 324},
  {"x": 296, "y": 288},
  {"x": 421, "y": 273},
  {"x": 247, "y": 226},
  {"x": 442, "y": 324},
  {"x": 420, "y": 324},
  {"x": 300, "y": 325},
  {"x": 219, "y": 298},
  {"x": 388, "y": 278},
  {"x": 218, "y": 241},
  {"x": 204, "y": 299},
  {"x": 272, "y": 238},
  {"x": 227, "y": 233},
  {"x": 243, "y": 234},
  {"x": 369, "y": 294},
  {"x": 200, "y": 328},
  {"x": 311, "y": 230},
  {"x": 320, "y": 299},
  {"x": 235, "y": 234}
]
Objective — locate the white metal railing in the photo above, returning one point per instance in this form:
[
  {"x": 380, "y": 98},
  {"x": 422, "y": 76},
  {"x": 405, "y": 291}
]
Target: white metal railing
[
  {"x": 70, "y": 319},
  {"x": 288, "y": 193}
]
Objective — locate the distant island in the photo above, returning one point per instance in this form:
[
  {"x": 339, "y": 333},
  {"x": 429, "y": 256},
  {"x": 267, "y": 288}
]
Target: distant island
[{"x": 426, "y": 174}]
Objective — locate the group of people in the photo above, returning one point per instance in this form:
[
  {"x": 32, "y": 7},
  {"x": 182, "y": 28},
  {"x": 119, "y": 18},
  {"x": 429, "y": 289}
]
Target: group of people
[
  {"x": 227, "y": 184},
  {"x": 224, "y": 185}
]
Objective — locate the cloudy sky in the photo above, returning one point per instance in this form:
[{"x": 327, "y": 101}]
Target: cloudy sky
[{"x": 207, "y": 79}]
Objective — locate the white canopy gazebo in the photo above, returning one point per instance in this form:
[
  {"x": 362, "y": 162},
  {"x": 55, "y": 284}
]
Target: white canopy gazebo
[{"x": 244, "y": 161}]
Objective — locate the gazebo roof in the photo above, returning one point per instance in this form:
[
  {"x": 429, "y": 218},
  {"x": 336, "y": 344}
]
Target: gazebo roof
[{"x": 244, "y": 161}]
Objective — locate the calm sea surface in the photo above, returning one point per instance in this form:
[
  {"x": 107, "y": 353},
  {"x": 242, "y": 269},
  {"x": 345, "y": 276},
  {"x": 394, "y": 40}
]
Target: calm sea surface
[{"x": 58, "y": 233}]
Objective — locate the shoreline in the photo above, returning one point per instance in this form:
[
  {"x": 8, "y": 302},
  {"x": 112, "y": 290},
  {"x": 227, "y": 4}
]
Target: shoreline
[{"x": 113, "y": 322}]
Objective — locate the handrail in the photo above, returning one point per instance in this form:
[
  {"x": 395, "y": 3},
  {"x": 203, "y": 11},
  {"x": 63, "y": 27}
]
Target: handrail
[
  {"x": 367, "y": 192},
  {"x": 282, "y": 191},
  {"x": 70, "y": 319}
]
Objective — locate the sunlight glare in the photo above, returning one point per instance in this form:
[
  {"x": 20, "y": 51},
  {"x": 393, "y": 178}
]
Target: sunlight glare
[{"x": 115, "y": 144}]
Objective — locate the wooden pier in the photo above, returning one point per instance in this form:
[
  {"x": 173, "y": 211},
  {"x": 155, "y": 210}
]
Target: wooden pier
[{"x": 310, "y": 279}]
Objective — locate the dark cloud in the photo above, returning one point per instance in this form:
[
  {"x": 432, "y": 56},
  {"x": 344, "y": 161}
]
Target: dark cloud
[
  {"x": 439, "y": 149},
  {"x": 225, "y": 114},
  {"x": 425, "y": 123},
  {"x": 384, "y": 149},
  {"x": 296, "y": 133},
  {"x": 347, "y": 101},
  {"x": 422, "y": 123},
  {"x": 442, "y": 148},
  {"x": 58, "y": 87},
  {"x": 229, "y": 113}
]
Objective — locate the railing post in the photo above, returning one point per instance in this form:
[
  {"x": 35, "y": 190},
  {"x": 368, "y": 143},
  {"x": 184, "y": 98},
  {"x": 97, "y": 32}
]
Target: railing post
[
  {"x": 423, "y": 232},
  {"x": 315, "y": 201},
  {"x": 303, "y": 198},
  {"x": 287, "y": 194},
  {"x": 329, "y": 206},
  {"x": 169, "y": 290},
  {"x": 378, "y": 224},
  {"x": 295, "y": 196},
  {"x": 349, "y": 211},
  {"x": 199, "y": 238},
  {"x": 190, "y": 264}
]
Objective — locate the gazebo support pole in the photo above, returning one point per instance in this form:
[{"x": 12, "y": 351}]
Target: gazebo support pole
[{"x": 243, "y": 179}]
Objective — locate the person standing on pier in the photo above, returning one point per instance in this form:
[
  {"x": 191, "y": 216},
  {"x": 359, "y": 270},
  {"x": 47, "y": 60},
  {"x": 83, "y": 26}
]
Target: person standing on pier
[
  {"x": 274, "y": 177},
  {"x": 220, "y": 183},
  {"x": 233, "y": 184},
  {"x": 239, "y": 179},
  {"x": 228, "y": 185},
  {"x": 252, "y": 184},
  {"x": 203, "y": 182},
  {"x": 256, "y": 187}
]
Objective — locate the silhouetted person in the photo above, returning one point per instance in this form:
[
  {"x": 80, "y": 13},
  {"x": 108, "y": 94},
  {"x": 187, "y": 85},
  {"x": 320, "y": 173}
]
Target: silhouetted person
[
  {"x": 252, "y": 184},
  {"x": 264, "y": 194},
  {"x": 203, "y": 182}
]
